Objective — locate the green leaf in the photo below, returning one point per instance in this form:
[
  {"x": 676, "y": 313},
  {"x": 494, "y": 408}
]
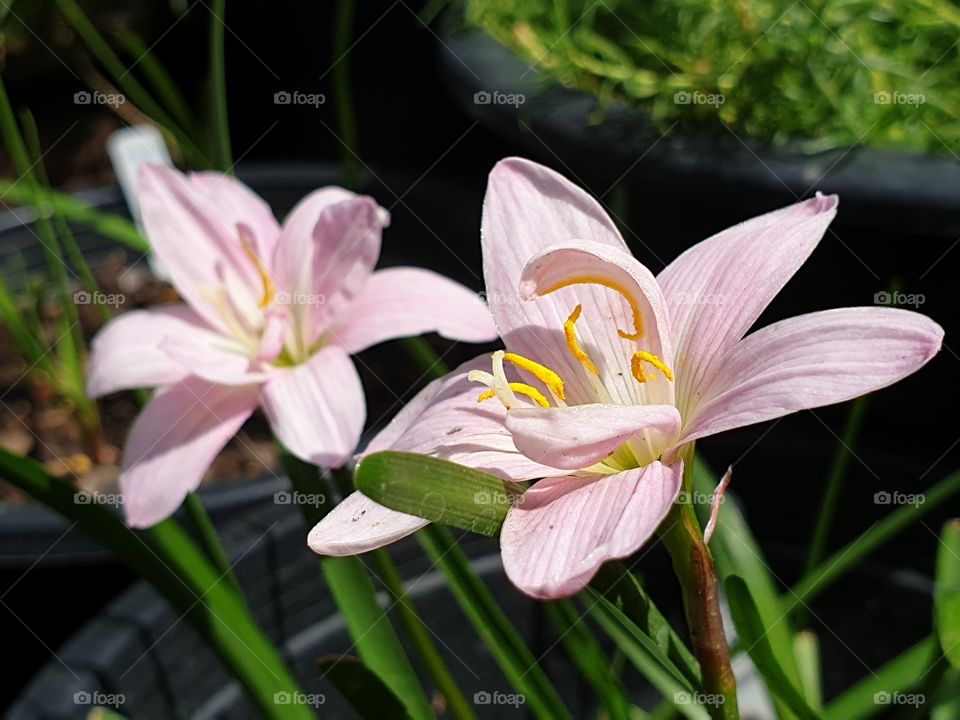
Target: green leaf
[
  {"x": 362, "y": 688},
  {"x": 437, "y": 490},
  {"x": 221, "y": 130},
  {"x": 946, "y": 592},
  {"x": 648, "y": 658},
  {"x": 372, "y": 632},
  {"x": 349, "y": 581},
  {"x": 618, "y": 584},
  {"x": 134, "y": 91},
  {"x": 806, "y": 648},
  {"x": 584, "y": 651},
  {"x": 45, "y": 201},
  {"x": 753, "y": 635},
  {"x": 492, "y": 625},
  {"x": 737, "y": 552},
  {"x": 945, "y": 704},
  {"x": 899, "y": 675},
  {"x": 833, "y": 568}
]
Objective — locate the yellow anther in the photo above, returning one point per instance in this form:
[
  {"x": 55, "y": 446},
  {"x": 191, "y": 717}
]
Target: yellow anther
[
  {"x": 642, "y": 356},
  {"x": 544, "y": 374},
  {"x": 572, "y": 343},
  {"x": 522, "y": 388},
  {"x": 612, "y": 285},
  {"x": 268, "y": 287},
  {"x": 530, "y": 392}
]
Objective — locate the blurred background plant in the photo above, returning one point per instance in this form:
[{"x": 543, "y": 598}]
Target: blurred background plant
[{"x": 824, "y": 73}]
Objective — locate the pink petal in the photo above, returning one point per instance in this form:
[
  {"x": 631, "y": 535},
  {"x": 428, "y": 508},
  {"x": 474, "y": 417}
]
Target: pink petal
[
  {"x": 173, "y": 442},
  {"x": 446, "y": 421},
  {"x": 573, "y": 438},
  {"x": 443, "y": 420},
  {"x": 196, "y": 239},
  {"x": 717, "y": 289},
  {"x": 813, "y": 360},
  {"x": 317, "y": 409},
  {"x": 566, "y": 528},
  {"x": 527, "y": 209},
  {"x": 213, "y": 358},
  {"x": 126, "y": 353},
  {"x": 599, "y": 334},
  {"x": 237, "y": 204},
  {"x": 401, "y": 302},
  {"x": 330, "y": 243},
  {"x": 359, "y": 524}
]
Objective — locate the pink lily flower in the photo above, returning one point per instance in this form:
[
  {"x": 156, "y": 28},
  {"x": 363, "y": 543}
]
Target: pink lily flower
[
  {"x": 610, "y": 371},
  {"x": 270, "y": 319}
]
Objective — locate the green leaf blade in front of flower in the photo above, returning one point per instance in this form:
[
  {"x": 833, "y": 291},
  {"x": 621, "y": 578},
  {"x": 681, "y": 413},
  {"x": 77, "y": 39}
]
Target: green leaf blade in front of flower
[
  {"x": 753, "y": 632},
  {"x": 647, "y": 657},
  {"x": 946, "y": 592},
  {"x": 437, "y": 490}
]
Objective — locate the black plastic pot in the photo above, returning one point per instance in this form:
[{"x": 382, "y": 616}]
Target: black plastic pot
[
  {"x": 137, "y": 652},
  {"x": 908, "y": 193}
]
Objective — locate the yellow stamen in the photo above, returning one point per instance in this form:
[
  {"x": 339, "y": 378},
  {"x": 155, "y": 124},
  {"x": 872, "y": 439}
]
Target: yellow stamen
[
  {"x": 530, "y": 392},
  {"x": 572, "y": 343},
  {"x": 544, "y": 374},
  {"x": 642, "y": 356},
  {"x": 268, "y": 287},
  {"x": 612, "y": 285},
  {"x": 522, "y": 388}
]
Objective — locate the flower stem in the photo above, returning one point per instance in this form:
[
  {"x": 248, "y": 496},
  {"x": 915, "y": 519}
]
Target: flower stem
[{"x": 694, "y": 568}]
